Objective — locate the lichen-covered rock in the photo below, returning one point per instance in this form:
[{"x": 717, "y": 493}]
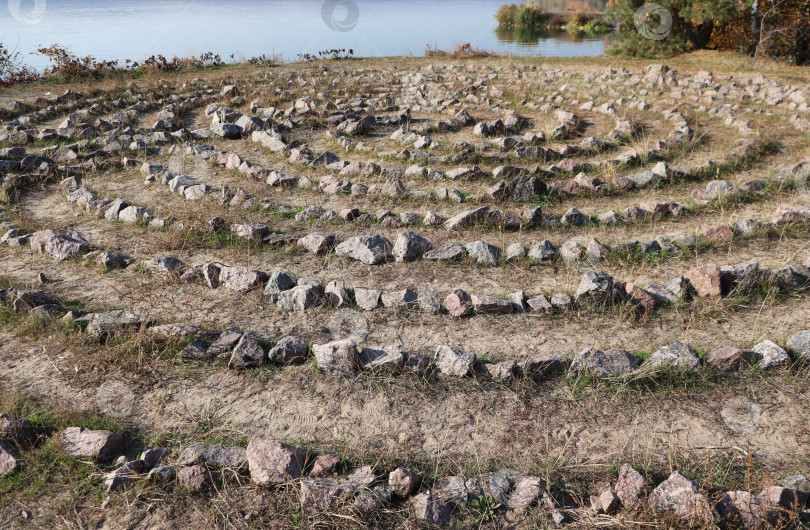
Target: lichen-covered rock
[
  {"x": 248, "y": 353},
  {"x": 240, "y": 278},
  {"x": 370, "y": 249},
  {"x": 321, "y": 494},
  {"x": 799, "y": 345},
  {"x": 769, "y": 354},
  {"x": 596, "y": 288},
  {"x": 677, "y": 354},
  {"x": 610, "y": 363},
  {"x": 453, "y": 362},
  {"x": 338, "y": 357},
  {"x": 288, "y": 350},
  {"x": 410, "y": 246}
]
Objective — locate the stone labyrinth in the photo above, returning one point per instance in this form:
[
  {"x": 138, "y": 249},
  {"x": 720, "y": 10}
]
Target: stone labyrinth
[{"x": 426, "y": 287}]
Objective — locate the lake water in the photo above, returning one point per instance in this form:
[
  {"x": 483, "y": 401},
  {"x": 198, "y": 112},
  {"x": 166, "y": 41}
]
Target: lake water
[{"x": 136, "y": 29}]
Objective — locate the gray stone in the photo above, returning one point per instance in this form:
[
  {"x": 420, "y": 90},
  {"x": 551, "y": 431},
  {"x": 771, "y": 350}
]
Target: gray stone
[
  {"x": 373, "y": 498},
  {"x": 336, "y": 358},
  {"x": 542, "y": 251},
  {"x": 391, "y": 356},
  {"x": 518, "y": 300},
  {"x": 770, "y": 354},
  {"x": 370, "y": 249},
  {"x": 526, "y": 492},
  {"x": 322, "y": 494},
  {"x": 483, "y": 253},
  {"x": 403, "y": 298},
  {"x": 318, "y": 243},
  {"x": 248, "y": 353},
  {"x": 272, "y": 463},
  {"x": 113, "y": 260},
  {"x": 410, "y": 246},
  {"x": 288, "y": 350},
  {"x": 226, "y": 130},
  {"x": 278, "y": 283},
  {"x": 132, "y": 214},
  {"x": 493, "y": 486},
  {"x": 574, "y": 217},
  {"x": 367, "y": 299},
  {"x": 123, "y": 477},
  {"x": 446, "y": 252},
  {"x": 453, "y": 362},
  {"x": 799, "y": 345},
  {"x": 98, "y": 444},
  {"x": 163, "y": 265},
  {"x": 515, "y": 252},
  {"x": 196, "y": 349},
  {"x": 429, "y": 303},
  {"x": 152, "y": 457},
  {"x": 113, "y": 323},
  {"x": 540, "y": 304},
  {"x": 299, "y": 298},
  {"x": 250, "y": 231},
  {"x": 111, "y": 214},
  {"x": 610, "y": 363},
  {"x": 66, "y": 246},
  {"x": 678, "y": 354},
  {"x": 596, "y": 287},
  {"x": 797, "y": 482},
  {"x": 467, "y": 219},
  {"x": 486, "y": 304},
  {"x": 226, "y": 341},
  {"x": 451, "y": 490},
  {"x": 9, "y": 457},
  {"x": 562, "y": 301},
  {"x": 161, "y": 474},
  {"x": 241, "y": 279}
]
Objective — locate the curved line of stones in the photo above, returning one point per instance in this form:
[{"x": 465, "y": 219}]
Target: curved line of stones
[
  {"x": 595, "y": 289},
  {"x": 270, "y": 463}
]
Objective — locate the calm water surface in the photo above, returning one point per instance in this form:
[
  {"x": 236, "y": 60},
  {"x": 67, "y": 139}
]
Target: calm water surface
[{"x": 136, "y": 29}]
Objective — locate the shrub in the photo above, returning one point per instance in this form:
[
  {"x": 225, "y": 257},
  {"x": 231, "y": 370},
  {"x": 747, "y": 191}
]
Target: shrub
[
  {"x": 773, "y": 28},
  {"x": 12, "y": 70},
  {"x": 528, "y": 16},
  {"x": 506, "y": 15}
]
